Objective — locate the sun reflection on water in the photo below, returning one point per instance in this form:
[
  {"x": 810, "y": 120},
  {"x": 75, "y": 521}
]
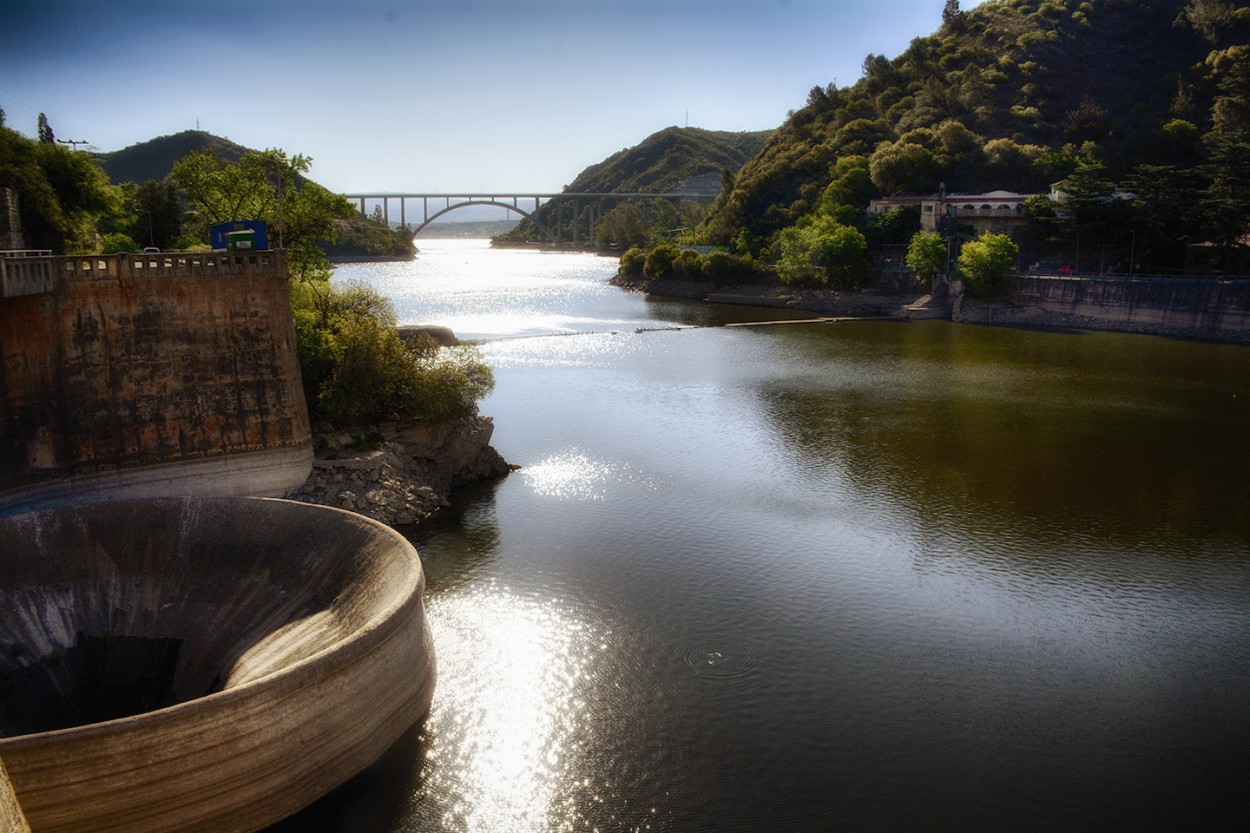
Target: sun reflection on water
[
  {"x": 572, "y": 474},
  {"x": 507, "y": 722}
]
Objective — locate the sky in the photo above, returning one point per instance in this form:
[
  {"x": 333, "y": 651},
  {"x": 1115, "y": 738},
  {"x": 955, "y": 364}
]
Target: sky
[{"x": 434, "y": 95}]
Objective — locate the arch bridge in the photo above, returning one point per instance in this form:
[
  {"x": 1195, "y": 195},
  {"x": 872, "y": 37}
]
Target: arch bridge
[{"x": 431, "y": 206}]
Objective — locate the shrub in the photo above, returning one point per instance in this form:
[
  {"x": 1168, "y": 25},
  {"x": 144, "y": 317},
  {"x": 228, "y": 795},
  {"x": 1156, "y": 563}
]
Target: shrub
[
  {"x": 688, "y": 265},
  {"x": 632, "y": 261},
  {"x": 357, "y": 370},
  {"x": 722, "y": 268},
  {"x": 660, "y": 260},
  {"x": 116, "y": 243}
]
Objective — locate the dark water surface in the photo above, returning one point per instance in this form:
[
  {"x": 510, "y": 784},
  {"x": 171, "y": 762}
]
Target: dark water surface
[{"x": 862, "y": 576}]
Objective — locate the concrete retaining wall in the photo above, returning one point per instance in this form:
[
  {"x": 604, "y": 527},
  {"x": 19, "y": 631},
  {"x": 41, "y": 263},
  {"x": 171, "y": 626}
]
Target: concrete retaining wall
[
  {"x": 128, "y": 369},
  {"x": 1213, "y": 310}
]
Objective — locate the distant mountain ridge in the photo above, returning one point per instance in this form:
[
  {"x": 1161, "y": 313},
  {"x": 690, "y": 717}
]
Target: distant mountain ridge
[
  {"x": 670, "y": 159},
  {"x": 685, "y": 161}
]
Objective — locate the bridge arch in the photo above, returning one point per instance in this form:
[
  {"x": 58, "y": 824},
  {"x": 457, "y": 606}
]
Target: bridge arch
[{"x": 532, "y": 216}]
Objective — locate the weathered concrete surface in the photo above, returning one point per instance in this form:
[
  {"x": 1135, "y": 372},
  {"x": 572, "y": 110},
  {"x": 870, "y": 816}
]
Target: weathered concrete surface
[
  {"x": 11, "y": 818},
  {"x": 110, "y": 365},
  {"x": 1212, "y": 310},
  {"x": 255, "y": 474},
  {"x": 283, "y": 646}
]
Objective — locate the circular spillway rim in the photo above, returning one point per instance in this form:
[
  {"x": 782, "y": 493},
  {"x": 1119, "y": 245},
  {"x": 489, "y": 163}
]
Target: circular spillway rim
[
  {"x": 378, "y": 621},
  {"x": 382, "y": 633}
]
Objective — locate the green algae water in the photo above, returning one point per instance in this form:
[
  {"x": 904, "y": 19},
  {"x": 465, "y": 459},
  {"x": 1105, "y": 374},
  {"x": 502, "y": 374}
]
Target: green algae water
[{"x": 864, "y": 576}]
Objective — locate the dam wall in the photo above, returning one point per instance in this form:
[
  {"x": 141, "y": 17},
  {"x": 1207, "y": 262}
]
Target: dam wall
[
  {"x": 1207, "y": 309},
  {"x": 142, "y": 375}
]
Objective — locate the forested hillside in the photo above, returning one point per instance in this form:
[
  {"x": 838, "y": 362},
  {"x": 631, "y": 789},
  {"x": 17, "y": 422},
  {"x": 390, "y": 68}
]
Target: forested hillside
[
  {"x": 155, "y": 158},
  {"x": 1147, "y": 99},
  {"x": 666, "y": 161}
]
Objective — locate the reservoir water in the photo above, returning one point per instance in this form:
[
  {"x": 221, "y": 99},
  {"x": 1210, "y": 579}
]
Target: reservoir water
[{"x": 863, "y": 576}]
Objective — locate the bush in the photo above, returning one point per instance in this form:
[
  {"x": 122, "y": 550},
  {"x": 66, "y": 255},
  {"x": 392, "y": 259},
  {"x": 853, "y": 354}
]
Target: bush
[
  {"x": 688, "y": 265},
  {"x": 722, "y": 268},
  {"x": 632, "y": 261},
  {"x": 358, "y": 371},
  {"x": 117, "y": 243},
  {"x": 660, "y": 260}
]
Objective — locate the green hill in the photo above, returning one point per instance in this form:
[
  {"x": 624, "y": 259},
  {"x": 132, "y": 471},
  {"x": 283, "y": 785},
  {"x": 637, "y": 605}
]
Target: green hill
[
  {"x": 1014, "y": 94},
  {"x": 668, "y": 159},
  {"x": 154, "y": 158},
  {"x": 685, "y": 160}
]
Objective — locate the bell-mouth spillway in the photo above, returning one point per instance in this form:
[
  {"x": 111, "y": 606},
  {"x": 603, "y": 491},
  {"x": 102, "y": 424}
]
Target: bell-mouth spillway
[{"x": 202, "y": 664}]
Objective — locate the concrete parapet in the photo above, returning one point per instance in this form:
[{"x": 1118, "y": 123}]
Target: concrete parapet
[
  {"x": 37, "y": 275},
  {"x": 202, "y": 665}
]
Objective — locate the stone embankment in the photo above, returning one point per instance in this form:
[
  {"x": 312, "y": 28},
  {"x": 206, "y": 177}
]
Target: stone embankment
[
  {"x": 1207, "y": 309},
  {"x": 1193, "y": 308},
  {"x": 400, "y": 473}
]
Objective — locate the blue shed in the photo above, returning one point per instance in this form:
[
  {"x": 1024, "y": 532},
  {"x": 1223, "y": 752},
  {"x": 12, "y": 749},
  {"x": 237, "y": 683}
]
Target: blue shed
[{"x": 219, "y": 234}]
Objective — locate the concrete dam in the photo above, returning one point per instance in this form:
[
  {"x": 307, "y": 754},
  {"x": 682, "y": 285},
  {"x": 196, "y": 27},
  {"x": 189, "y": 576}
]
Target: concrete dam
[
  {"x": 147, "y": 375},
  {"x": 176, "y": 652}
]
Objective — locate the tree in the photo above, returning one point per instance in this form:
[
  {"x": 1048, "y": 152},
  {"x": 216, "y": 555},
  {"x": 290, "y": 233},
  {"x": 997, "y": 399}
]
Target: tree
[
  {"x": 1093, "y": 209},
  {"x": 894, "y": 227},
  {"x": 158, "y": 214},
  {"x": 116, "y": 243},
  {"x": 904, "y": 168},
  {"x": 1209, "y": 17},
  {"x": 985, "y": 262},
  {"x": 952, "y": 15},
  {"x": 221, "y": 190},
  {"x": 623, "y": 226},
  {"x": 1011, "y": 165},
  {"x": 63, "y": 195},
  {"x": 823, "y": 252},
  {"x": 269, "y": 186},
  {"x": 46, "y": 136},
  {"x": 1226, "y": 204},
  {"x": 1165, "y": 214},
  {"x": 849, "y": 190},
  {"x": 722, "y": 268},
  {"x": 926, "y": 255}
]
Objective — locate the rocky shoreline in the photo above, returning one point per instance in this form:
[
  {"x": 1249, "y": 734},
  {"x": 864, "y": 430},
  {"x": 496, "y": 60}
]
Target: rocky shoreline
[{"x": 400, "y": 473}]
